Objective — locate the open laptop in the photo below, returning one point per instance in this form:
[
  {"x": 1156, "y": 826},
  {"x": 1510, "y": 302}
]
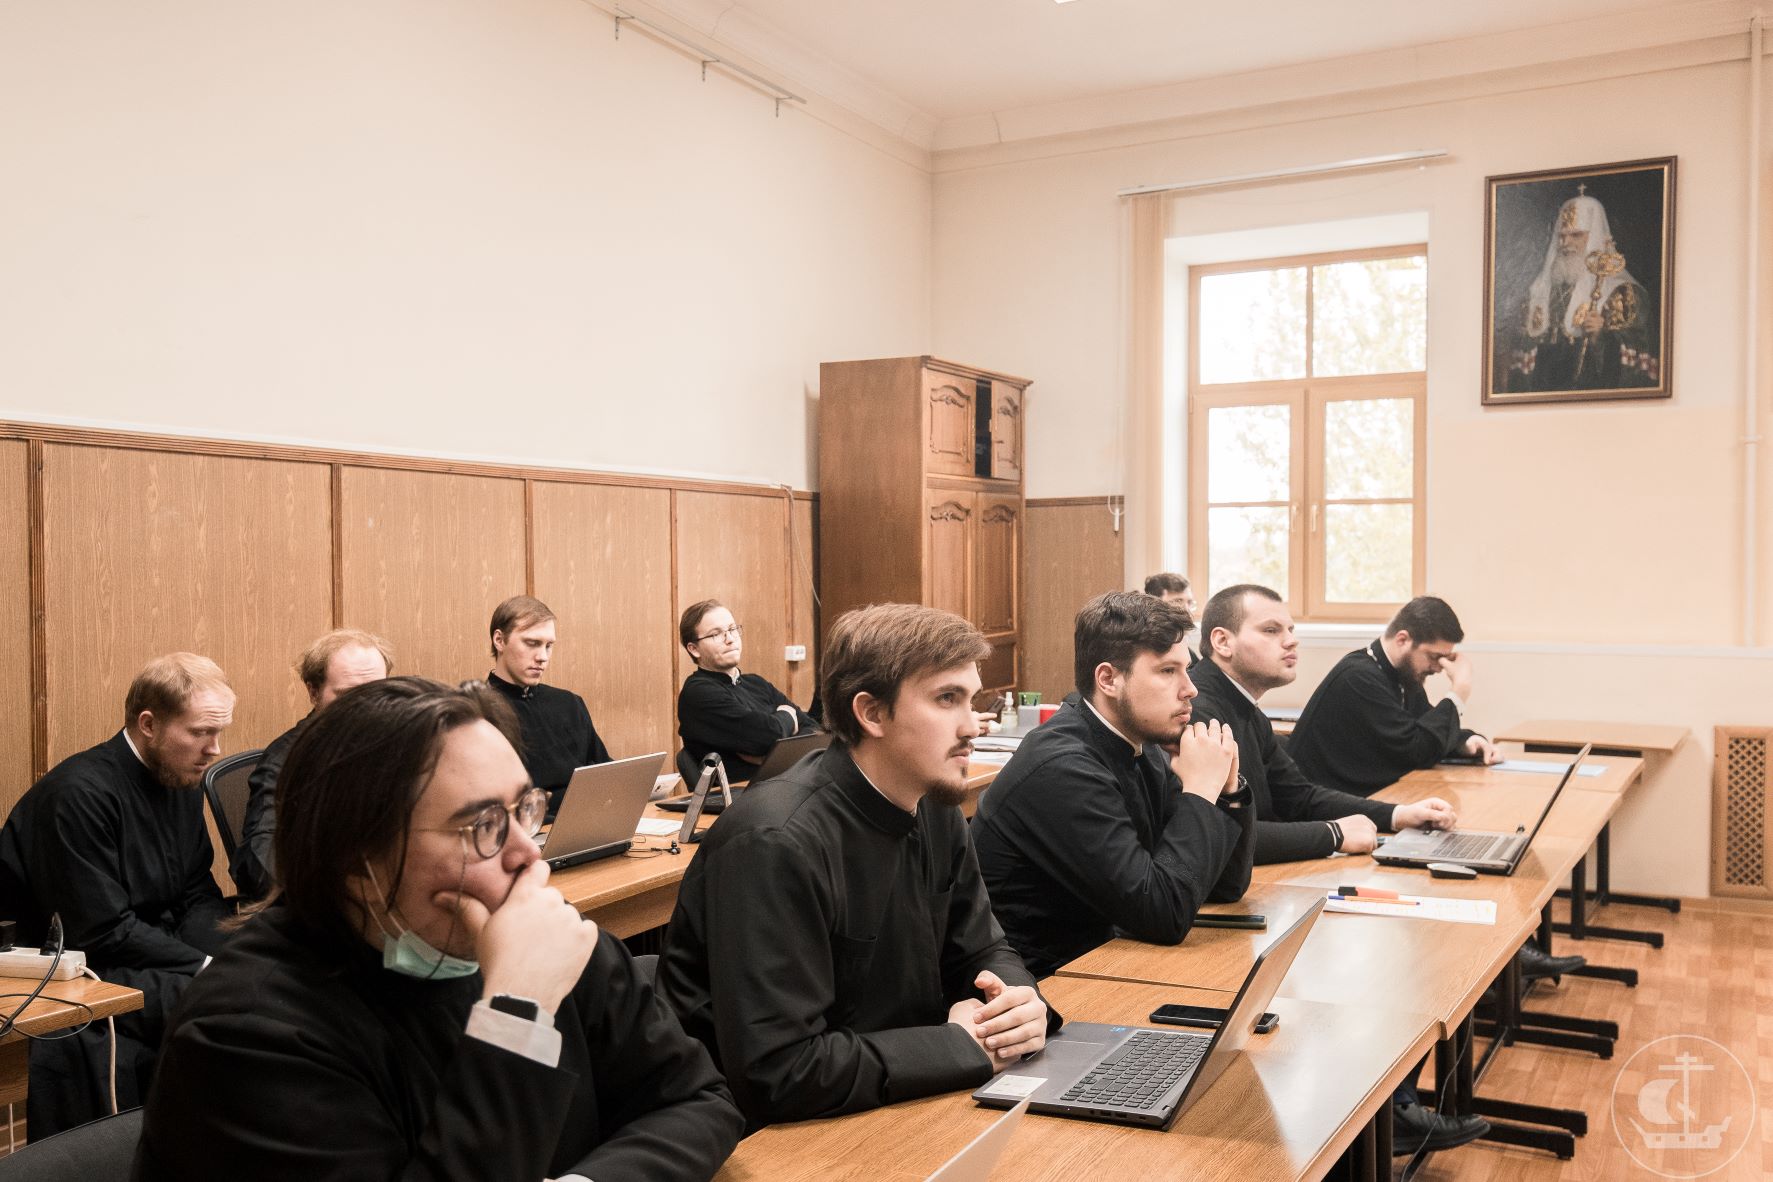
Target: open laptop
[
  {"x": 788, "y": 752},
  {"x": 1140, "y": 1075},
  {"x": 1486, "y": 851},
  {"x": 982, "y": 1153},
  {"x": 603, "y": 804}
]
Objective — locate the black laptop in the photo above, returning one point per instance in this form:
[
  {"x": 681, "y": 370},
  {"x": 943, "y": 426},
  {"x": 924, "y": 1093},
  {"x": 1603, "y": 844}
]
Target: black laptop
[{"x": 1139, "y": 1075}]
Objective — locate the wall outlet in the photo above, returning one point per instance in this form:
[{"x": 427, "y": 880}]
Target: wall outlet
[{"x": 795, "y": 652}]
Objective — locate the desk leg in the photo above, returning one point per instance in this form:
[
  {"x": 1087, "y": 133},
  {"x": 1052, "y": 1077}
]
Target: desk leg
[
  {"x": 1603, "y": 883},
  {"x": 1580, "y": 929}
]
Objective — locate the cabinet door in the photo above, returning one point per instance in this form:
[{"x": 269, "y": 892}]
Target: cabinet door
[
  {"x": 1006, "y": 431},
  {"x": 948, "y": 551},
  {"x": 949, "y": 446},
  {"x": 996, "y": 538}
]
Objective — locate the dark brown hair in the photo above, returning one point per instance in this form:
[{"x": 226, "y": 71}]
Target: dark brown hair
[
  {"x": 1428, "y": 621},
  {"x": 347, "y": 792},
  {"x": 1226, "y": 610},
  {"x": 516, "y": 614},
  {"x": 1118, "y": 626},
  {"x": 876, "y": 649},
  {"x": 312, "y": 665},
  {"x": 1164, "y": 581},
  {"x": 166, "y": 685},
  {"x": 692, "y": 619}
]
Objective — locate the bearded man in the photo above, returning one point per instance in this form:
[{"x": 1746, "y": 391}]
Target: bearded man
[{"x": 1588, "y": 324}]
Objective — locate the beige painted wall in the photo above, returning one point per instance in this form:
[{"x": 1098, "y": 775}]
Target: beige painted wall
[
  {"x": 446, "y": 226},
  {"x": 1568, "y": 535}
]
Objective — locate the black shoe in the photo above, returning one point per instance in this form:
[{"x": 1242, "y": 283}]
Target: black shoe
[
  {"x": 1535, "y": 964},
  {"x": 1414, "y": 1127}
]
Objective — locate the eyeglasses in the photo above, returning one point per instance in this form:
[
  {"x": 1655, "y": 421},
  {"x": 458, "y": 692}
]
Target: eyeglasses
[
  {"x": 487, "y": 832},
  {"x": 729, "y": 630}
]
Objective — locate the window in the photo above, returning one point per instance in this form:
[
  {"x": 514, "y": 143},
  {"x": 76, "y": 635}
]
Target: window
[{"x": 1305, "y": 394}]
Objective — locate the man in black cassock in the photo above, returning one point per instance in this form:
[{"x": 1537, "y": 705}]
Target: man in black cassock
[
  {"x": 558, "y": 736},
  {"x": 1369, "y": 721},
  {"x": 113, "y": 840},
  {"x": 832, "y": 943},
  {"x": 1093, "y": 827},
  {"x": 1251, "y": 648},
  {"x": 720, "y": 710},
  {"x": 418, "y": 1002},
  {"x": 340, "y": 660}
]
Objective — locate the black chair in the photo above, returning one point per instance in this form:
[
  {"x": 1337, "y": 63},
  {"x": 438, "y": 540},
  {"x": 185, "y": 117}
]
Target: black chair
[
  {"x": 101, "y": 1151},
  {"x": 225, "y": 783},
  {"x": 689, "y": 767}
]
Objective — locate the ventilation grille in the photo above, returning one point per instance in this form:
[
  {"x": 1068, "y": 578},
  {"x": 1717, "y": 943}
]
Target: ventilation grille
[{"x": 1740, "y": 787}]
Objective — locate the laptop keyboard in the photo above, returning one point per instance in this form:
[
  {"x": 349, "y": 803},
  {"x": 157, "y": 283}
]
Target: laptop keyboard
[
  {"x": 1140, "y": 1072},
  {"x": 1465, "y": 845}
]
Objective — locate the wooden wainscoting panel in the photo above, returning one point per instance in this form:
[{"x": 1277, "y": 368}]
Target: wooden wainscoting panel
[
  {"x": 15, "y": 623},
  {"x": 803, "y": 554},
  {"x": 426, "y": 558},
  {"x": 603, "y": 563},
  {"x": 735, "y": 549},
  {"x": 150, "y": 552},
  {"x": 1071, "y": 553}
]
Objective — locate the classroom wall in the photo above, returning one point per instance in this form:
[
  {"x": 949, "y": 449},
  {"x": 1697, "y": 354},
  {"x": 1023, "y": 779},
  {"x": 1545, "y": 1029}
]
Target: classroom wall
[
  {"x": 1574, "y": 536},
  {"x": 448, "y": 227}
]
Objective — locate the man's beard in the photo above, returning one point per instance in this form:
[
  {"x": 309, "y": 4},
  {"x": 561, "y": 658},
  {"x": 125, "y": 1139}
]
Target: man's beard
[
  {"x": 1571, "y": 270},
  {"x": 167, "y": 777},
  {"x": 949, "y": 794}
]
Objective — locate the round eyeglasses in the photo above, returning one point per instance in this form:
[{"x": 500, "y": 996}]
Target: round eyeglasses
[{"x": 487, "y": 832}]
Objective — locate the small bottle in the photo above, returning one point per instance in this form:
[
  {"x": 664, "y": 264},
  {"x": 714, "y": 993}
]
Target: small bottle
[{"x": 1006, "y": 715}]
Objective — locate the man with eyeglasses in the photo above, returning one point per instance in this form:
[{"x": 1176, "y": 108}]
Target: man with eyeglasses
[
  {"x": 418, "y": 1001},
  {"x": 738, "y": 716}
]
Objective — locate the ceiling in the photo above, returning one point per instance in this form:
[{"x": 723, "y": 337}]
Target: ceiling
[{"x": 949, "y": 59}]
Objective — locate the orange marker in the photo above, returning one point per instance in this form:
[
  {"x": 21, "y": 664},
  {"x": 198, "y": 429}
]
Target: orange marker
[{"x": 1366, "y": 892}]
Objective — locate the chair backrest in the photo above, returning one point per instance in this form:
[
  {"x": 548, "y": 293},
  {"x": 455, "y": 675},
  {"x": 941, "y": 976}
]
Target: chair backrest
[
  {"x": 225, "y": 783},
  {"x": 102, "y": 1151},
  {"x": 689, "y": 767}
]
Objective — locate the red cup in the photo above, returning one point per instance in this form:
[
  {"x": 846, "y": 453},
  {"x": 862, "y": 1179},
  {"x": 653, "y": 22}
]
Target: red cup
[{"x": 1048, "y": 710}]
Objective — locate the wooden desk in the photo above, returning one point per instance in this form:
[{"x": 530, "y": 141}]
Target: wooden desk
[
  {"x": 49, "y": 1014},
  {"x": 1619, "y": 774},
  {"x": 1273, "y": 1113},
  {"x": 1609, "y": 738},
  {"x": 637, "y": 892}
]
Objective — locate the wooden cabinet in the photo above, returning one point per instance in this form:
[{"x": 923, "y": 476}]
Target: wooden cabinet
[{"x": 920, "y": 494}]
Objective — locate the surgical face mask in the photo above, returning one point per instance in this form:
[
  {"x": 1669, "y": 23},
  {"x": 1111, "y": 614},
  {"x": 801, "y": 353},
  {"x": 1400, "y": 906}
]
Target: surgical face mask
[{"x": 409, "y": 954}]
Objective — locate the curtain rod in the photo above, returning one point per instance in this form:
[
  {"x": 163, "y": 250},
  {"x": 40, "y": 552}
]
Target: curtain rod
[
  {"x": 1282, "y": 173},
  {"x": 709, "y": 58}
]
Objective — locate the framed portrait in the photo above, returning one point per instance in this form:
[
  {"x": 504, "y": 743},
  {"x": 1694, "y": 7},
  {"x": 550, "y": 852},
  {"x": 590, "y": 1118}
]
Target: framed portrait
[{"x": 1578, "y": 283}]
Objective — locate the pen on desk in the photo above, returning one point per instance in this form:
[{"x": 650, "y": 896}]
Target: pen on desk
[
  {"x": 1379, "y": 902},
  {"x": 1367, "y": 892}
]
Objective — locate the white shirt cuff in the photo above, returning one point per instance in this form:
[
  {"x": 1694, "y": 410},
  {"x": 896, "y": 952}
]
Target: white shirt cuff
[{"x": 536, "y": 1040}]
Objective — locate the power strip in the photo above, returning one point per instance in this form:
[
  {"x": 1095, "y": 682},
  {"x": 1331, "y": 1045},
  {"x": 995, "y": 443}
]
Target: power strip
[{"x": 32, "y": 964}]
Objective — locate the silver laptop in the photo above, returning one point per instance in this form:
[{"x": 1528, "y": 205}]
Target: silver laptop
[
  {"x": 788, "y": 752},
  {"x": 1486, "y": 851},
  {"x": 604, "y": 802},
  {"x": 980, "y": 1157},
  {"x": 1139, "y": 1075}
]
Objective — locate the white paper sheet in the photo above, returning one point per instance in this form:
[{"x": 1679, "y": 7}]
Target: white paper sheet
[{"x": 1427, "y": 907}]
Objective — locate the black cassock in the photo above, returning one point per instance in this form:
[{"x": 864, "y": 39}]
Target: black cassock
[
  {"x": 126, "y": 862},
  {"x": 557, "y": 733},
  {"x": 820, "y": 937},
  {"x": 1366, "y": 726},
  {"x": 295, "y": 1059},
  {"x": 254, "y": 864},
  {"x": 734, "y": 718}
]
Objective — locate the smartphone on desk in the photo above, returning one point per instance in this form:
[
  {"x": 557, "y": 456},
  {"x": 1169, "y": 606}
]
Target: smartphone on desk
[
  {"x": 1207, "y": 1017},
  {"x": 1252, "y": 923}
]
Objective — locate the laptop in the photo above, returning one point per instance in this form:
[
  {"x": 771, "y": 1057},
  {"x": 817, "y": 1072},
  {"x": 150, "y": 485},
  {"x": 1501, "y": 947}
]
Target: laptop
[
  {"x": 1483, "y": 850},
  {"x": 1140, "y": 1075},
  {"x": 788, "y": 752},
  {"x": 604, "y": 802},
  {"x": 982, "y": 1153}
]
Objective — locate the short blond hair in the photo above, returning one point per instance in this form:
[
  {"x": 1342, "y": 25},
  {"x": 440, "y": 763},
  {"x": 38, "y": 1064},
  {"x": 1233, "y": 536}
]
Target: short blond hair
[
  {"x": 166, "y": 685},
  {"x": 312, "y": 665},
  {"x": 516, "y": 614}
]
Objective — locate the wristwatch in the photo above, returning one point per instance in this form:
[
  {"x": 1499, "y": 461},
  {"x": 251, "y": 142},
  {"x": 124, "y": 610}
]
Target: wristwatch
[{"x": 517, "y": 1007}]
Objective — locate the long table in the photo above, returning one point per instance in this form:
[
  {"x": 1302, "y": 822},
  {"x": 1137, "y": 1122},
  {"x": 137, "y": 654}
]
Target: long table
[{"x": 63, "y": 1004}]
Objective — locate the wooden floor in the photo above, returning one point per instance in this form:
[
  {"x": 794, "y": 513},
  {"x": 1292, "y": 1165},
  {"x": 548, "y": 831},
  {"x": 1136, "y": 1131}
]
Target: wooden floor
[{"x": 1713, "y": 977}]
